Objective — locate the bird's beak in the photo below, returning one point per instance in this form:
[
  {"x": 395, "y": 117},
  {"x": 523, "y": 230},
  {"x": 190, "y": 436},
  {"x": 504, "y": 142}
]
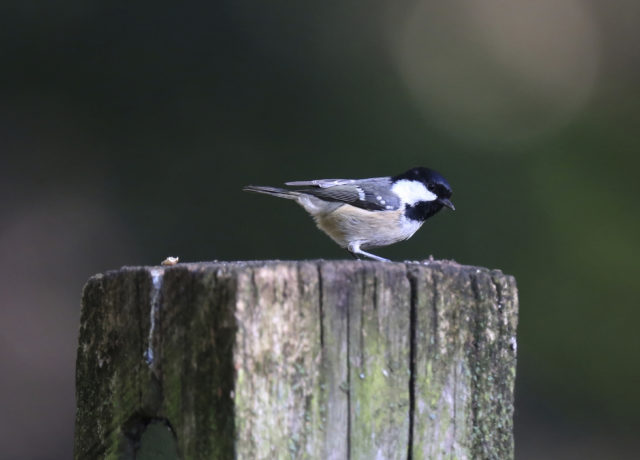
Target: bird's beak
[{"x": 446, "y": 202}]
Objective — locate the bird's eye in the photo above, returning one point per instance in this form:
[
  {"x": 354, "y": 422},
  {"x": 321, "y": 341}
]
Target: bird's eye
[{"x": 431, "y": 187}]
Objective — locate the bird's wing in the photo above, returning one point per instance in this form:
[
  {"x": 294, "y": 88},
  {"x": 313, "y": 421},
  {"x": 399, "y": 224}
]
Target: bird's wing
[
  {"x": 372, "y": 194},
  {"x": 325, "y": 183}
]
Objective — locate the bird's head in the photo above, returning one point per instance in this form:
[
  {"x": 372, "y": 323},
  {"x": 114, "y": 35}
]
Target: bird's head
[{"x": 423, "y": 191}]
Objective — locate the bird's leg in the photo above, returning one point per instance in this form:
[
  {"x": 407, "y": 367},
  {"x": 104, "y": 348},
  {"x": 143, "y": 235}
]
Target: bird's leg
[
  {"x": 354, "y": 248},
  {"x": 373, "y": 256}
]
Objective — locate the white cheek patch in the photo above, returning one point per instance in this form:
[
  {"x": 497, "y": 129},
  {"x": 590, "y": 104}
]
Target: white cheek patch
[{"x": 412, "y": 192}]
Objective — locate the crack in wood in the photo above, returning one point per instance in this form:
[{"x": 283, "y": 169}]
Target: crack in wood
[
  {"x": 320, "y": 304},
  {"x": 349, "y": 392},
  {"x": 413, "y": 319},
  {"x": 476, "y": 333}
]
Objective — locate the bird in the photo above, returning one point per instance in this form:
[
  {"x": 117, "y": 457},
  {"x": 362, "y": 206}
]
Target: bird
[{"x": 360, "y": 214}]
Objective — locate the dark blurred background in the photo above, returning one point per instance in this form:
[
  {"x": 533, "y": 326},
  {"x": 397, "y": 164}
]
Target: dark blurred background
[{"x": 127, "y": 130}]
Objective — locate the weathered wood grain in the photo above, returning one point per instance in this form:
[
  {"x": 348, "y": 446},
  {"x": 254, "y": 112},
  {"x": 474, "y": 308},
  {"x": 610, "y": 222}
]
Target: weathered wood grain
[{"x": 314, "y": 359}]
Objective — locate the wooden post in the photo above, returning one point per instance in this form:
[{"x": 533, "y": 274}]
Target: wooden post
[{"x": 313, "y": 359}]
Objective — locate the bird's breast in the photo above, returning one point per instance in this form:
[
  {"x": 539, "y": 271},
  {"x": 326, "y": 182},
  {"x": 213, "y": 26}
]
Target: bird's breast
[{"x": 348, "y": 224}]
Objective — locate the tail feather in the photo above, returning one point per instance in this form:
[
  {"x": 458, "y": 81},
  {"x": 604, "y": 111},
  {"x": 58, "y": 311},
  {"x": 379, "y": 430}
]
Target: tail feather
[{"x": 274, "y": 191}]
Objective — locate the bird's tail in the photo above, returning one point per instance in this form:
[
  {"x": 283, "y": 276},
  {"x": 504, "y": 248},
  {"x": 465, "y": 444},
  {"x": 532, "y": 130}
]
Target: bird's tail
[{"x": 279, "y": 192}]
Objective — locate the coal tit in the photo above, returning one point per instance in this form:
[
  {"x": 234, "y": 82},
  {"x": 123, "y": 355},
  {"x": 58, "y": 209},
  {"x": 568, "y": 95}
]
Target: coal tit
[{"x": 367, "y": 213}]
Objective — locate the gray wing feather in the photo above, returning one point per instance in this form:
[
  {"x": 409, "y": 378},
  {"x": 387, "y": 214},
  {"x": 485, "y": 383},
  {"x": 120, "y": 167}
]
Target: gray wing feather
[
  {"x": 372, "y": 194},
  {"x": 325, "y": 183}
]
